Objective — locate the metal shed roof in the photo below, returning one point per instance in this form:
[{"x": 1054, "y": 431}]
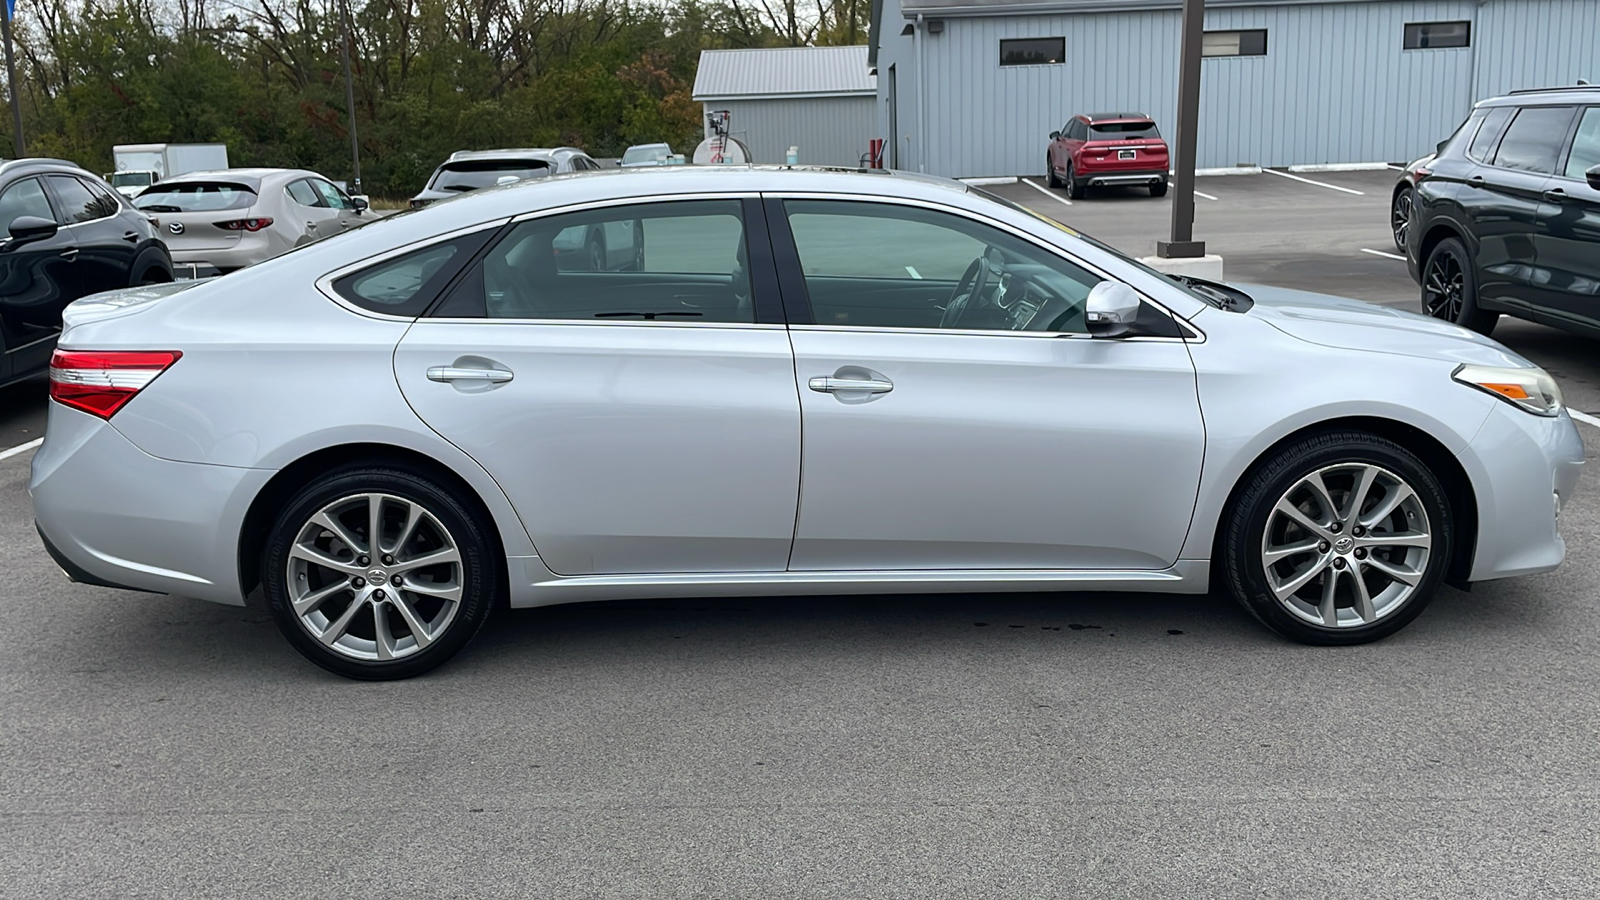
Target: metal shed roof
[{"x": 783, "y": 72}]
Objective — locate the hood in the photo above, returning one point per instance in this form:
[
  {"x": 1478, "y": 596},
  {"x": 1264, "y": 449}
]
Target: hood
[
  {"x": 1357, "y": 325},
  {"x": 122, "y": 302}
]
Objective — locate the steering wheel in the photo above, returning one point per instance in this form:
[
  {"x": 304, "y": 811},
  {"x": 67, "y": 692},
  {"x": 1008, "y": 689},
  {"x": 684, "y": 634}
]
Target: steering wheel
[{"x": 968, "y": 289}]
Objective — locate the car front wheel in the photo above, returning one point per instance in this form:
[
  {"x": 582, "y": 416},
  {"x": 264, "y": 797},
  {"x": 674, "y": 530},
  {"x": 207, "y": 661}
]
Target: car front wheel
[
  {"x": 379, "y": 572},
  {"x": 1339, "y": 538},
  {"x": 1450, "y": 288},
  {"x": 1050, "y": 179}
]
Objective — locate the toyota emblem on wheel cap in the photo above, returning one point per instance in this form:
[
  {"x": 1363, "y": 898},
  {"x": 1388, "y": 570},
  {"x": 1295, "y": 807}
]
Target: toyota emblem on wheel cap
[{"x": 176, "y": 228}]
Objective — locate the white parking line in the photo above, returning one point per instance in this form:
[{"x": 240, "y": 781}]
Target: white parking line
[
  {"x": 1207, "y": 196},
  {"x": 1384, "y": 254},
  {"x": 21, "y": 448},
  {"x": 1584, "y": 417},
  {"x": 1331, "y": 187},
  {"x": 1047, "y": 192}
]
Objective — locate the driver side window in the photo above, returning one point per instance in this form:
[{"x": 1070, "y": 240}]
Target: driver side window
[{"x": 877, "y": 265}]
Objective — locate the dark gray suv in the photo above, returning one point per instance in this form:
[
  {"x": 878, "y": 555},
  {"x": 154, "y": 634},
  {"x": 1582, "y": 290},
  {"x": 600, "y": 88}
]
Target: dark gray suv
[{"x": 1506, "y": 216}]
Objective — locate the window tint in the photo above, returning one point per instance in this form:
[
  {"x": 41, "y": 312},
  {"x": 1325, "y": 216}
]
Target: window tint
[
  {"x": 883, "y": 266},
  {"x": 331, "y": 197},
  {"x": 301, "y": 193},
  {"x": 1494, "y": 125},
  {"x": 1533, "y": 142},
  {"x": 195, "y": 196},
  {"x": 679, "y": 262},
  {"x": 1123, "y": 131},
  {"x": 405, "y": 285},
  {"x": 24, "y": 198},
  {"x": 1424, "y": 35},
  {"x": 1033, "y": 51},
  {"x": 1585, "y": 146},
  {"x": 110, "y": 201},
  {"x": 1234, "y": 43},
  {"x": 77, "y": 203}
]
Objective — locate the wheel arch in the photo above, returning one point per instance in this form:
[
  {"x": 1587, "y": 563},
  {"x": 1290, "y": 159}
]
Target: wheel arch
[
  {"x": 1436, "y": 233},
  {"x": 276, "y": 493},
  {"x": 1436, "y": 456},
  {"x": 149, "y": 258}
]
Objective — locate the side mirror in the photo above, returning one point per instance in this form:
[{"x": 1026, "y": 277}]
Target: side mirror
[
  {"x": 1593, "y": 177},
  {"x": 1054, "y": 135},
  {"x": 27, "y": 229},
  {"x": 359, "y": 204},
  {"x": 1110, "y": 310}
]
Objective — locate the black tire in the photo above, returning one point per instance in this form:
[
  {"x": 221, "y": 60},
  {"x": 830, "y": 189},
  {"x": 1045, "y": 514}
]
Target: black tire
[
  {"x": 1400, "y": 217},
  {"x": 478, "y": 573},
  {"x": 1159, "y": 189},
  {"x": 1050, "y": 179},
  {"x": 1450, "y": 288},
  {"x": 150, "y": 267},
  {"x": 1242, "y": 548},
  {"x": 1075, "y": 188}
]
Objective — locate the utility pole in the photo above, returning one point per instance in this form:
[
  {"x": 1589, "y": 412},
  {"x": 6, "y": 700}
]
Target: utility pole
[
  {"x": 349, "y": 98},
  {"x": 11, "y": 78},
  {"x": 1183, "y": 243}
]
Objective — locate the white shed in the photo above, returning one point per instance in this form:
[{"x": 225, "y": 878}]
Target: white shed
[{"x": 821, "y": 100}]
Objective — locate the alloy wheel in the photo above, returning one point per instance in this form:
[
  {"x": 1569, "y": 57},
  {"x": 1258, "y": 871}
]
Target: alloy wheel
[
  {"x": 1444, "y": 286},
  {"x": 1346, "y": 546},
  {"x": 375, "y": 577},
  {"x": 1400, "y": 218}
]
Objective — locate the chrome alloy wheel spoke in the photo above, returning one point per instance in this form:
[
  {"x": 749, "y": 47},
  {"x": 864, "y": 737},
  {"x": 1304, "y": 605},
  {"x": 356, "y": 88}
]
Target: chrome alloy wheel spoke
[
  {"x": 375, "y": 577},
  {"x": 1346, "y": 545}
]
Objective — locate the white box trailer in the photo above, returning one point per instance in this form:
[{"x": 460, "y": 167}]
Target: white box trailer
[{"x": 137, "y": 166}]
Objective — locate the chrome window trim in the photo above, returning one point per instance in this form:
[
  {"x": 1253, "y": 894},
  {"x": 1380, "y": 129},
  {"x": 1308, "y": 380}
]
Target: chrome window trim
[
  {"x": 1184, "y": 324},
  {"x": 604, "y": 323}
]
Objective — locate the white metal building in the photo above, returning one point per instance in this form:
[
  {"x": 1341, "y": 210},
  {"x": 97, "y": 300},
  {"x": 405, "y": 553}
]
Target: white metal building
[
  {"x": 974, "y": 87},
  {"x": 819, "y": 99}
]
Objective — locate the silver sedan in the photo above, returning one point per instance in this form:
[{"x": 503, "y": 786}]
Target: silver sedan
[{"x": 801, "y": 382}]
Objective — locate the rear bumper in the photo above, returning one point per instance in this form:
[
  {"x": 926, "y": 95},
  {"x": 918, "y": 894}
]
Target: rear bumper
[
  {"x": 1523, "y": 468},
  {"x": 112, "y": 515},
  {"x": 1113, "y": 176},
  {"x": 249, "y": 250}
]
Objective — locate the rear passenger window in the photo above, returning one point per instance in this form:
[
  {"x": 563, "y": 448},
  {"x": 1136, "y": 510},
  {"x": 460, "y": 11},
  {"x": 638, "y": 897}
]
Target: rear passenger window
[
  {"x": 77, "y": 203},
  {"x": 1494, "y": 124},
  {"x": 1533, "y": 142},
  {"x": 406, "y": 285},
  {"x": 301, "y": 193},
  {"x": 671, "y": 262},
  {"x": 1585, "y": 146}
]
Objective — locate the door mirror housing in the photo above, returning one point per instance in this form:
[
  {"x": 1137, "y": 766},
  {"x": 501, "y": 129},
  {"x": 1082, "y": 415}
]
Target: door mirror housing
[
  {"x": 1111, "y": 309},
  {"x": 359, "y": 204},
  {"x": 1593, "y": 177},
  {"x": 1055, "y": 135},
  {"x": 507, "y": 179},
  {"x": 27, "y": 229}
]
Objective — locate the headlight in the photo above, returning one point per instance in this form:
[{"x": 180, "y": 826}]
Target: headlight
[{"x": 1530, "y": 389}]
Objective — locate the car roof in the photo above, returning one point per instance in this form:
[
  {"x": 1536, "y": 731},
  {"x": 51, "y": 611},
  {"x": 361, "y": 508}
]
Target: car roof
[
  {"x": 1572, "y": 93},
  {"x": 40, "y": 163},
  {"x": 1115, "y": 117},
  {"x": 515, "y": 153}
]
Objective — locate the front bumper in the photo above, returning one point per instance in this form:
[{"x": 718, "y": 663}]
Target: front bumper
[
  {"x": 1523, "y": 467},
  {"x": 113, "y": 515}
]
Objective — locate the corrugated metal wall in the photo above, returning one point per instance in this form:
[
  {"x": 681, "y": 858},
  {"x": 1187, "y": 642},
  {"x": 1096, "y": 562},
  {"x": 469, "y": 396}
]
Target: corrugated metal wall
[
  {"x": 1336, "y": 84},
  {"x": 831, "y": 131}
]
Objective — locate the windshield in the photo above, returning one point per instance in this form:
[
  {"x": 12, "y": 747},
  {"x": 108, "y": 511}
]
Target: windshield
[
  {"x": 195, "y": 196},
  {"x": 1122, "y": 131},
  {"x": 131, "y": 179},
  {"x": 469, "y": 175},
  {"x": 652, "y": 153}
]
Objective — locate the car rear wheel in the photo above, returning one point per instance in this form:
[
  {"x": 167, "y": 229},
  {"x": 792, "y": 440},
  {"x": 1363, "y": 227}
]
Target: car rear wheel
[
  {"x": 1450, "y": 288},
  {"x": 378, "y": 572},
  {"x": 1159, "y": 188},
  {"x": 1075, "y": 188},
  {"x": 1400, "y": 217},
  {"x": 1339, "y": 538}
]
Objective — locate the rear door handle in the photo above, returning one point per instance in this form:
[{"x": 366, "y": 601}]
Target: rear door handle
[
  {"x": 69, "y": 254},
  {"x": 456, "y": 373},
  {"x": 1475, "y": 181},
  {"x": 1556, "y": 195},
  {"x": 828, "y": 384}
]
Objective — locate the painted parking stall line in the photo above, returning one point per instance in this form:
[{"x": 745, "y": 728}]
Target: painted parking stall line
[
  {"x": 1585, "y": 418},
  {"x": 1321, "y": 184},
  {"x": 1047, "y": 192},
  {"x": 21, "y": 449},
  {"x": 1384, "y": 254}
]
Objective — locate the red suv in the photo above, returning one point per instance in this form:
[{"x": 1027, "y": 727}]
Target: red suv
[{"x": 1107, "y": 148}]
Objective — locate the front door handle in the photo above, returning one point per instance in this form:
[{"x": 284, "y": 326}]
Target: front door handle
[
  {"x": 457, "y": 373},
  {"x": 828, "y": 384},
  {"x": 69, "y": 254},
  {"x": 131, "y": 237},
  {"x": 1475, "y": 181},
  {"x": 1556, "y": 195}
]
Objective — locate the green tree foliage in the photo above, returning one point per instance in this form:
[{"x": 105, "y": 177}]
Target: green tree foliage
[{"x": 430, "y": 76}]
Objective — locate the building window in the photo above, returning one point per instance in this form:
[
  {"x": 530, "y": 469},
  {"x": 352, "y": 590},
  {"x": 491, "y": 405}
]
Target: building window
[
  {"x": 1033, "y": 52},
  {"x": 1234, "y": 43},
  {"x": 1423, "y": 35}
]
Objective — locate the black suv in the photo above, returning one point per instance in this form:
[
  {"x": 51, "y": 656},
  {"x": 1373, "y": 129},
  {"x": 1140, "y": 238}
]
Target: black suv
[
  {"x": 1506, "y": 217},
  {"x": 66, "y": 235}
]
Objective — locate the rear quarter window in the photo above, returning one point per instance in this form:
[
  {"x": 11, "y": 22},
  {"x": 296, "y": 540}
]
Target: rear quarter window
[{"x": 406, "y": 285}]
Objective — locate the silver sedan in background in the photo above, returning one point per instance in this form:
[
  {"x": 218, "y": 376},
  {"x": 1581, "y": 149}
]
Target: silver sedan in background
[
  {"x": 232, "y": 218},
  {"x": 392, "y": 432}
]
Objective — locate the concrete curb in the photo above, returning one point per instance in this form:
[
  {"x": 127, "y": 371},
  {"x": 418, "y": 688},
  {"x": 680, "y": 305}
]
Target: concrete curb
[
  {"x": 998, "y": 179},
  {"x": 1340, "y": 167}
]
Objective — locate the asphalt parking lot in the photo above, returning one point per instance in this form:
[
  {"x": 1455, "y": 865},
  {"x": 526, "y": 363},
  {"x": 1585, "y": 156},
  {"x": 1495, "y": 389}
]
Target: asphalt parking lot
[{"x": 959, "y": 746}]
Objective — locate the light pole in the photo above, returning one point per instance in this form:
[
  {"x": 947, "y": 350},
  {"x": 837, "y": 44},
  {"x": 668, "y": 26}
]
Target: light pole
[
  {"x": 11, "y": 78},
  {"x": 1183, "y": 244},
  {"x": 349, "y": 97}
]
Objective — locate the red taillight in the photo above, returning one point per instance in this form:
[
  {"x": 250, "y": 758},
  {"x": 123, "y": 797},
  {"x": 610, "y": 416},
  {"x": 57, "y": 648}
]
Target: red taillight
[
  {"x": 246, "y": 224},
  {"x": 1419, "y": 173},
  {"x": 100, "y": 382}
]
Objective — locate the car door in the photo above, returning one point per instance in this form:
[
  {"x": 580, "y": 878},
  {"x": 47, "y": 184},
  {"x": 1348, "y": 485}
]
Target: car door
[
  {"x": 106, "y": 245},
  {"x": 313, "y": 219},
  {"x": 37, "y": 279},
  {"x": 345, "y": 215},
  {"x": 1569, "y": 237},
  {"x": 1506, "y": 213},
  {"x": 985, "y": 430},
  {"x": 640, "y": 421}
]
